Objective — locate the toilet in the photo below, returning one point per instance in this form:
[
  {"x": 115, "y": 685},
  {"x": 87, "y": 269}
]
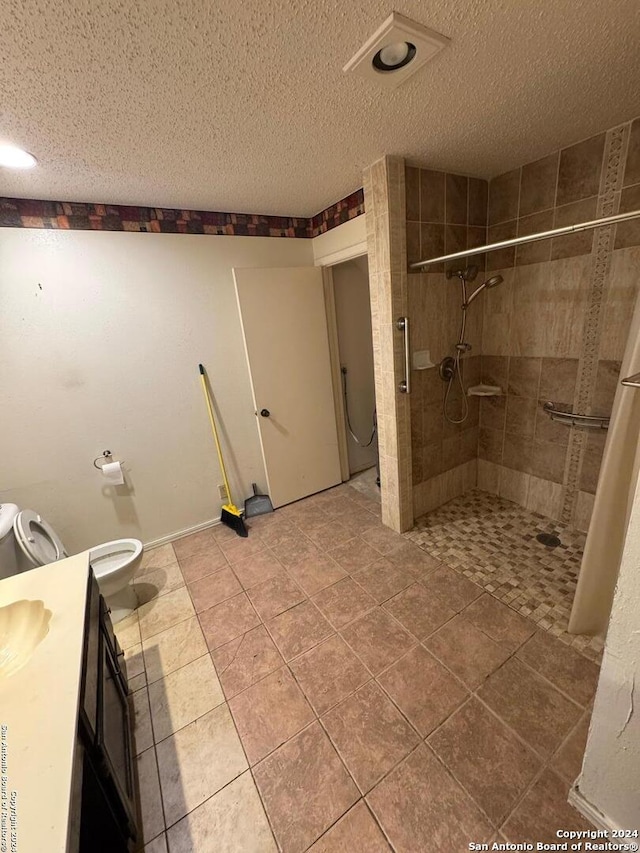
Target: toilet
[{"x": 27, "y": 541}]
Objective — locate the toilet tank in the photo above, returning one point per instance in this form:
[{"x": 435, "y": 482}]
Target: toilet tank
[{"x": 9, "y": 563}]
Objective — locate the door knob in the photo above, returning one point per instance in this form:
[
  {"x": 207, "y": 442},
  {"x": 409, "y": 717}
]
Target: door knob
[{"x": 265, "y": 413}]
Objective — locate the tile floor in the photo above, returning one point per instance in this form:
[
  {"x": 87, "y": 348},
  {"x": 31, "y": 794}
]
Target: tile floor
[
  {"x": 326, "y": 685},
  {"x": 492, "y": 542}
]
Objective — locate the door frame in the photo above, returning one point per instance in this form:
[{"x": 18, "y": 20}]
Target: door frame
[{"x": 356, "y": 251}]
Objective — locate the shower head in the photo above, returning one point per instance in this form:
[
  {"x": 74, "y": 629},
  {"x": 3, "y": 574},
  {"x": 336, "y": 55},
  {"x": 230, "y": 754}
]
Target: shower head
[{"x": 494, "y": 281}]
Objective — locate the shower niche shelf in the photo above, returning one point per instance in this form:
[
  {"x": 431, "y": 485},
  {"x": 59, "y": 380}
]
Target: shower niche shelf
[{"x": 484, "y": 391}]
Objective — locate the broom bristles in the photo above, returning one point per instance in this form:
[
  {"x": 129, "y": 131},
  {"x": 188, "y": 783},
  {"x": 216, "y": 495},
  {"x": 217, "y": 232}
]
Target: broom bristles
[{"x": 234, "y": 520}]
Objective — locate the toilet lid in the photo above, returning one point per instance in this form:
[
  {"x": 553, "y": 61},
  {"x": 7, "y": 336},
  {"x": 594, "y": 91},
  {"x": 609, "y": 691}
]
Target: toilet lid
[{"x": 37, "y": 538}]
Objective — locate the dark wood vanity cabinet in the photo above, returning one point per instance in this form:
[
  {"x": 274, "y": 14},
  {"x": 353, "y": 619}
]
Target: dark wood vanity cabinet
[{"x": 104, "y": 807}]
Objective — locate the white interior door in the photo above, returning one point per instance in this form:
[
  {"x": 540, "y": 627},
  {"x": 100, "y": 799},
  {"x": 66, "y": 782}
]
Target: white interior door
[{"x": 285, "y": 332}]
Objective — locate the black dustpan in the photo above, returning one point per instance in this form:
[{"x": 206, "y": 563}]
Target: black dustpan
[{"x": 259, "y": 504}]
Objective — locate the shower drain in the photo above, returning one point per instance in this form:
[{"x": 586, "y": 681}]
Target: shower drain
[{"x": 549, "y": 539}]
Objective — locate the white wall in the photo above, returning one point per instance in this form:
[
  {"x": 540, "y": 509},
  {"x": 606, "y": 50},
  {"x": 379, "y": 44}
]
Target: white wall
[
  {"x": 609, "y": 785},
  {"x": 100, "y": 338},
  {"x": 353, "y": 317}
]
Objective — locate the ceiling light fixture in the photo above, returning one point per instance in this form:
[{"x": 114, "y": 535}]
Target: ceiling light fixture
[
  {"x": 394, "y": 56},
  {"x": 12, "y": 157},
  {"x": 396, "y": 50}
]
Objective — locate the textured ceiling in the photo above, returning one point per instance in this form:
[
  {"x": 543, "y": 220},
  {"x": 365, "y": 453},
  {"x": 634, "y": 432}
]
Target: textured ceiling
[{"x": 243, "y": 106}]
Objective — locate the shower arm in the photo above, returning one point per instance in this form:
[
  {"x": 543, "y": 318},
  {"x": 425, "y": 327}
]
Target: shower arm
[{"x": 530, "y": 238}]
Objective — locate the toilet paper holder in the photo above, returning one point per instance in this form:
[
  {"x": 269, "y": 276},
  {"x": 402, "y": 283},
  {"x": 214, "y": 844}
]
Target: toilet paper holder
[{"x": 106, "y": 454}]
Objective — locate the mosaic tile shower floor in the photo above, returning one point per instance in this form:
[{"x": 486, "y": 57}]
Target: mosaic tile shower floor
[{"x": 493, "y": 542}]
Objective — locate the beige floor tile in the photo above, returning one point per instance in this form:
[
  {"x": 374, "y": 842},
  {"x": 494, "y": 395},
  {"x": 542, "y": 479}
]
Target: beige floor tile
[
  {"x": 245, "y": 660},
  {"x": 134, "y": 661},
  {"x": 343, "y": 602},
  {"x": 382, "y": 538},
  {"x": 158, "y": 845},
  {"x": 410, "y": 558},
  {"x": 270, "y": 712},
  {"x": 213, "y": 589},
  {"x": 378, "y": 639},
  {"x": 229, "y": 619},
  {"x": 356, "y": 831},
  {"x": 452, "y": 588},
  {"x": 142, "y": 731},
  {"x": 422, "y": 808},
  {"x": 328, "y": 673},
  {"x": 329, "y": 534},
  {"x": 536, "y": 711},
  {"x": 423, "y": 689},
  {"x": 237, "y": 549},
  {"x": 194, "y": 543},
  {"x": 370, "y": 734},
  {"x": 355, "y": 555},
  {"x": 128, "y": 631},
  {"x": 299, "y": 629},
  {"x": 275, "y": 595},
  {"x": 419, "y": 610},
  {"x": 198, "y": 761},
  {"x": 568, "y": 760},
  {"x": 485, "y": 757},
  {"x": 183, "y": 696},
  {"x": 499, "y": 622},
  {"x": 563, "y": 666},
  {"x": 164, "y": 612},
  {"x": 316, "y": 573},
  {"x": 156, "y": 582},
  {"x": 151, "y": 817},
  {"x": 305, "y": 789},
  {"x": 257, "y": 568},
  {"x": 547, "y": 797},
  {"x": 157, "y": 558},
  {"x": 468, "y": 652},
  {"x": 232, "y": 821},
  {"x": 137, "y": 682},
  {"x": 173, "y": 648},
  {"x": 206, "y": 561},
  {"x": 383, "y": 580}
]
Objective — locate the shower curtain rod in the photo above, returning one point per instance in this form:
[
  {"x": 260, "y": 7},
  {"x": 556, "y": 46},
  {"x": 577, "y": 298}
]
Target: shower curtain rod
[{"x": 530, "y": 238}]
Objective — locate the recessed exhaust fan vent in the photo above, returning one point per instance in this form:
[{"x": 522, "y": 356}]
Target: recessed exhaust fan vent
[{"x": 395, "y": 51}]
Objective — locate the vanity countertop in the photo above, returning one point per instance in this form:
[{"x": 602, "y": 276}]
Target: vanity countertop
[{"x": 39, "y": 706}]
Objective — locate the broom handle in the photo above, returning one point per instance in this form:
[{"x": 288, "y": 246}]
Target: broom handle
[{"x": 214, "y": 430}]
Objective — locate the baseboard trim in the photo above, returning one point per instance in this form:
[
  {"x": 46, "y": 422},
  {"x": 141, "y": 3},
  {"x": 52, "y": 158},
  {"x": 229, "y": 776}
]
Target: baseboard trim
[
  {"x": 179, "y": 534},
  {"x": 589, "y": 811}
]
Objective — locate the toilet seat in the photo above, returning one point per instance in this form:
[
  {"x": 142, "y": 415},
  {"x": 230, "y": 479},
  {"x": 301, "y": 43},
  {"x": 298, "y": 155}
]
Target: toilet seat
[
  {"x": 37, "y": 539},
  {"x": 107, "y": 558}
]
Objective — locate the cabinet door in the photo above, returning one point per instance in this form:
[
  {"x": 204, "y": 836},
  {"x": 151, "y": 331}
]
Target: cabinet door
[{"x": 114, "y": 736}]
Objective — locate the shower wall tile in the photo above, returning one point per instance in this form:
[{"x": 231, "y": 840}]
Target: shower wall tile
[
  {"x": 628, "y": 233},
  {"x": 624, "y": 283},
  {"x": 504, "y": 194},
  {"x": 538, "y": 184},
  {"x": 580, "y": 169},
  {"x": 501, "y": 258},
  {"x": 452, "y": 214},
  {"x": 583, "y": 510},
  {"x": 573, "y": 244},
  {"x": 538, "y": 252},
  {"x": 456, "y": 199},
  {"x": 431, "y": 196},
  {"x": 521, "y": 416},
  {"x": 488, "y": 476},
  {"x": 632, "y": 165},
  {"x": 514, "y": 485},
  {"x": 412, "y": 183},
  {"x": 548, "y": 461},
  {"x": 517, "y": 452},
  {"x": 524, "y": 377},
  {"x": 493, "y": 412},
  {"x": 607, "y": 378},
  {"x": 558, "y": 377},
  {"x": 478, "y": 201},
  {"x": 490, "y": 443},
  {"x": 545, "y": 497}
]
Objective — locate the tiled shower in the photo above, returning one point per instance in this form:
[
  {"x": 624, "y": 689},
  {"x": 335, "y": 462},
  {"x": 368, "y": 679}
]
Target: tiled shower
[{"x": 554, "y": 330}]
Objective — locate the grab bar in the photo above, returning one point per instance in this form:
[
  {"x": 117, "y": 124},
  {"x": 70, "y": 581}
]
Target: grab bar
[
  {"x": 402, "y": 325},
  {"x": 631, "y": 381},
  {"x": 573, "y": 419}
]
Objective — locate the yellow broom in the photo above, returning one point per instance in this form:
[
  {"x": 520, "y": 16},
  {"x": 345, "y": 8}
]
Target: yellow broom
[{"x": 229, "y": 514}]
